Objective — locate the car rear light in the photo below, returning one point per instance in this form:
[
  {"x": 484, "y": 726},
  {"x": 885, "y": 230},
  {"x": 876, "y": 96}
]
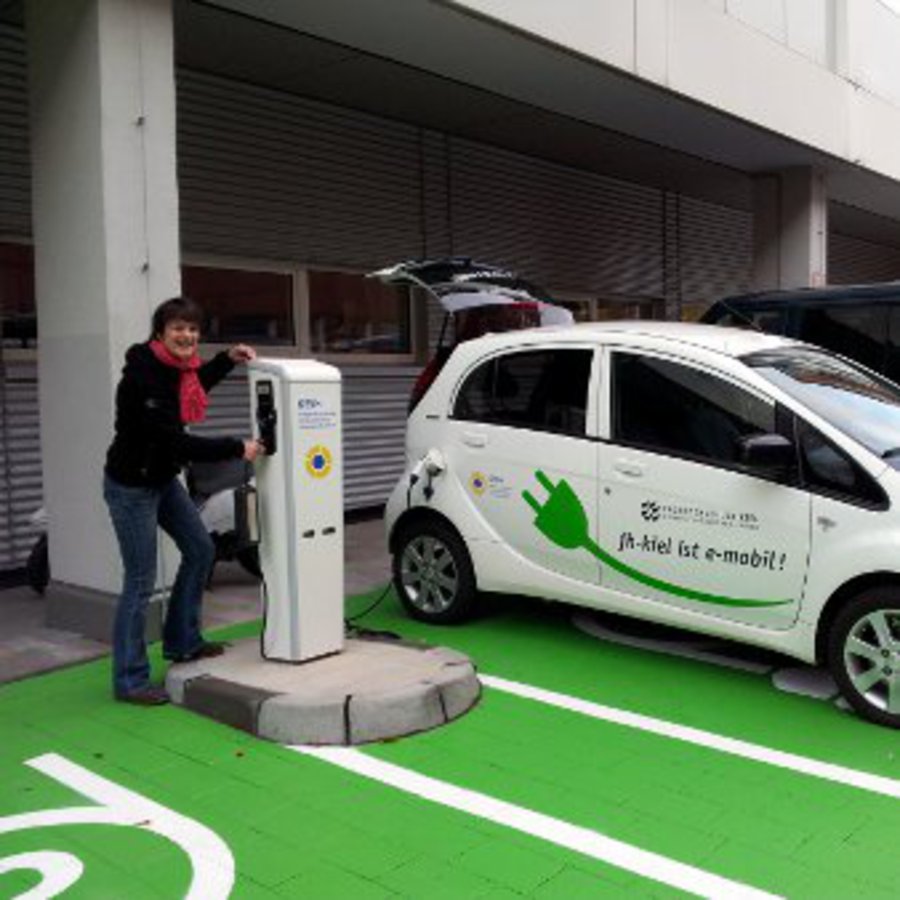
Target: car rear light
[{"x": 426, "y": 379}]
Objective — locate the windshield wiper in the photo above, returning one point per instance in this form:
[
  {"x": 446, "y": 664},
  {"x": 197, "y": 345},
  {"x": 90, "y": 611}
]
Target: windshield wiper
[{"x": 890, "y": 454}]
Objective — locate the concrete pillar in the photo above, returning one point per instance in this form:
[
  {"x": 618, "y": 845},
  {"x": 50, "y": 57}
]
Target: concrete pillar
[
  {"x": 105, "y": 212},
  {"x": 790, "y": 229}
]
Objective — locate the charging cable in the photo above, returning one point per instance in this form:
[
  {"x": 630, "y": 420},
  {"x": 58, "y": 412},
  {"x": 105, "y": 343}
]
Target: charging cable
[
  {"x": 264, "y": 588},
  {"x": 349, "y": 620}
]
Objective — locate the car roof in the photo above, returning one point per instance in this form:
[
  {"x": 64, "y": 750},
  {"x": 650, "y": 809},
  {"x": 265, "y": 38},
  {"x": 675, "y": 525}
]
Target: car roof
[
  {"x": 887, "y": 290},
  {"x": 734, "y": 342}
]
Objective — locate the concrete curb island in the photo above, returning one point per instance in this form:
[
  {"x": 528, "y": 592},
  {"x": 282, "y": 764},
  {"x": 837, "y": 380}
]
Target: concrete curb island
[{"x": 375, "y": 689}]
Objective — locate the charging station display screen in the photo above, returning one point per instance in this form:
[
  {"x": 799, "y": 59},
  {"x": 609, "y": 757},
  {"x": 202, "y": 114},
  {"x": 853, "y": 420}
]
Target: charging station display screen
[{"x": 266, "y": 416}]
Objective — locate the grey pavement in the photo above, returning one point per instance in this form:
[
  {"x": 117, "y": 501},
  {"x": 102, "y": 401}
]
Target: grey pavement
[{"x": 28, "y": 647}]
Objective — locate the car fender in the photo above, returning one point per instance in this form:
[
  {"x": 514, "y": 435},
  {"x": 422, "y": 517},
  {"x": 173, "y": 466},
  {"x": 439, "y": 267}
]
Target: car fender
[
  {"x": 864, "y": 553},
  {"x": 449, "y": 500}
]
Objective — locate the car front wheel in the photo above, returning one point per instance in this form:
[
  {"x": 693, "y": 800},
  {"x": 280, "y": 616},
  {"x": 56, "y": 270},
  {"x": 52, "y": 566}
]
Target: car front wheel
[
  {"x": 864, "y": 655},
  {"x": 433, "y": 573}
]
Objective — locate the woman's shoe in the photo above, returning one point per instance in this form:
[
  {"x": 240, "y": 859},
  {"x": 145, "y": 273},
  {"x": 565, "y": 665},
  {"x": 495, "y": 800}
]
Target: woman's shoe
[
  {"x": 209, "y": 649},
  {"x": 206, "y": 650},
  {"x": 151, "y": 695}
]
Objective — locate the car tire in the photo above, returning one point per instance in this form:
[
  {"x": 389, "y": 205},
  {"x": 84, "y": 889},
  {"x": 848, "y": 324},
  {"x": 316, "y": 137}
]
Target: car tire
[
  {"x": 864, "y": 655},
  {"x": 433, "y": 573}
]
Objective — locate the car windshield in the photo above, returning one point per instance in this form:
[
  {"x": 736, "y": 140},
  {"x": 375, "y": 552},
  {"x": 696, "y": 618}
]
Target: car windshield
[{"x": 858, "y": 402}]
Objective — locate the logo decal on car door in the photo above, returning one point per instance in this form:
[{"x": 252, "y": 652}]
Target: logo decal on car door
[{"x": 563, "y": 521}]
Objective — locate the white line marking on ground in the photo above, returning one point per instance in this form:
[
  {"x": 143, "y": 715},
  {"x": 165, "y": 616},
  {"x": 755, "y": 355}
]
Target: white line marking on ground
[
  {"x": 58, "y": 871},
  {"x": 211, "y": 860},
  {"x": 877, "y": 784},
  {"x": 556, "y": 831}
]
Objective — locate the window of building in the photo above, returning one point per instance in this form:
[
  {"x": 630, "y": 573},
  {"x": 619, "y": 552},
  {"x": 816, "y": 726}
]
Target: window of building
[
  {"x": 311, "y": 311},
  {"x": 542, "y": 390},
  {"x": 628, "y": 308},
  {"x": 318, "y": 312},
  {"x": 669, "y": 407},
  {"x": 352, "y": 314},
  {"x": 17, "y": 304},
  {"x": 243, "y": 304},
  {"x": 582, "y": 309}
]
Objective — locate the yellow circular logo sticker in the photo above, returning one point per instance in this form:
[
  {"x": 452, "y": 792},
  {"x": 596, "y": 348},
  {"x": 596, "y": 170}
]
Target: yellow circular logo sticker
[
  {"x": 478, "y": 483},
  {"x": 318, "y": 461}
]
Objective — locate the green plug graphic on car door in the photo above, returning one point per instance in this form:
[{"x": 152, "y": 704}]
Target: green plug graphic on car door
[{"x": 563, "y": 521}]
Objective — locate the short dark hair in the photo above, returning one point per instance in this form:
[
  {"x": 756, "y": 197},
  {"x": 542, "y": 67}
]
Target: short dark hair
[{"x": 175, "y": 308}]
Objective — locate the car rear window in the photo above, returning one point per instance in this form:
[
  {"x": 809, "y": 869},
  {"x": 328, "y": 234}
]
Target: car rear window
[{"x": 542, "y": 390}]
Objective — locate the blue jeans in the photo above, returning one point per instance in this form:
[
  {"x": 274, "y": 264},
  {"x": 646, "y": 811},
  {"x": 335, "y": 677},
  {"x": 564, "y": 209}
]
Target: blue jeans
[{"x": 135, "y": 513}]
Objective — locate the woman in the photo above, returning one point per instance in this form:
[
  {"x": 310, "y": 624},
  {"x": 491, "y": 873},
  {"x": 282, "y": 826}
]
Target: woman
[{"x": 163, "y": 388}]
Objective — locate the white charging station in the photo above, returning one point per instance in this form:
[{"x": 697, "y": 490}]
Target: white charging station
[{"x": 297, "y": 414}]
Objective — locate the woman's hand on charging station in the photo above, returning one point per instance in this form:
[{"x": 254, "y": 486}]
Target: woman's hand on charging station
[
  {"x": 241, "y": 353},
  {"x": 253, "y": 448}
]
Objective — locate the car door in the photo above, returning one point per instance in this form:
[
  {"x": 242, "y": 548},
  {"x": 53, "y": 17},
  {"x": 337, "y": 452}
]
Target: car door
[
  {"x": 682, "y": 522},
  {"x": 847, "y": 503},
  {"x": 520, "y": 422}
]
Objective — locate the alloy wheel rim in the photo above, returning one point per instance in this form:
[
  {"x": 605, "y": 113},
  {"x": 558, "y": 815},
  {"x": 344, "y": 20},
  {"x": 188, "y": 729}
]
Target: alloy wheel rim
[
  {"x": 872, "y": 659},
  {"x": 429, "y": 575}
]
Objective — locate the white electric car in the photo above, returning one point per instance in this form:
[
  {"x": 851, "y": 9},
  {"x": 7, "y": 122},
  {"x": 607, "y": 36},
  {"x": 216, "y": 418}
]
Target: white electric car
[{"x": 730, "y": 482}]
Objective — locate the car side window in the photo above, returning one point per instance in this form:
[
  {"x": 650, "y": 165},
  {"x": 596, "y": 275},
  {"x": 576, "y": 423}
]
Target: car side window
[
  {"x": 677, "y": 409},
  {"x": 858, "y": 331},
  {"x": 542, "y": 390},
  {"x": 827, "y": 469},
  {"x": 892, "y": 351}
]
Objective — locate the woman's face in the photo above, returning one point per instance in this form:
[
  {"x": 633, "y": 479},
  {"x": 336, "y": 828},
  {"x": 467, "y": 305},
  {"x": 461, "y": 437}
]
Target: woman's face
[{"x": 181, "y": 338}]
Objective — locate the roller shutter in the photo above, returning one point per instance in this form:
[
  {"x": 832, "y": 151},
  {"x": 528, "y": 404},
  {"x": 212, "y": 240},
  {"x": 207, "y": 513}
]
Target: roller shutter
[
  {"x": 21, "y": 491},
  {"x": 855, "y": 261},
  {"x": 374, "y": 426},
  {"x": 269, "y": 175},
  {"x": 20, "y": 454},
  {"x": 567, "y": 229},
  {"x": 15, "y": 175},
  {"x": 716, "y": 251},
  {"x": 374, "y": 433}
]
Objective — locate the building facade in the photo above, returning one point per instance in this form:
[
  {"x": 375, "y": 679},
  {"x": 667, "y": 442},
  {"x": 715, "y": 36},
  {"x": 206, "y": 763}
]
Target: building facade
[{"x": 636, "y": 157}]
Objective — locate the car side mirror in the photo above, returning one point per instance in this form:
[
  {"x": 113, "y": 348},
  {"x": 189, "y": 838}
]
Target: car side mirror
[{"x": 773, "y": 452}]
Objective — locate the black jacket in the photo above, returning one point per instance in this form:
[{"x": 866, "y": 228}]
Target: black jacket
[{"x": 150, "y": 444}]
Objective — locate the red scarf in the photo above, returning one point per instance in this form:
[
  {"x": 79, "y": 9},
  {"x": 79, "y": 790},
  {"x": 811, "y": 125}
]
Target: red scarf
[{"x": 192, "y": 397}]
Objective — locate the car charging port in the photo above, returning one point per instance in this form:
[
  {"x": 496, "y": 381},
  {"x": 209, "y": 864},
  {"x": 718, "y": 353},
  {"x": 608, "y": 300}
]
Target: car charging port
[{"x": 430, "y": 465}]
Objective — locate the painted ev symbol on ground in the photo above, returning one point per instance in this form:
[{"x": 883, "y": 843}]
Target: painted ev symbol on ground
[{"x": 211, "y": 861}]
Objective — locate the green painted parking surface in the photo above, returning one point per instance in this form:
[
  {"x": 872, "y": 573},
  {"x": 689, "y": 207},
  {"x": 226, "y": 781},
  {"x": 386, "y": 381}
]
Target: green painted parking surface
[
  {"x": 772, "y": 828},
  {"x": 300, "y": 827},
  {"x": 536, "y": 643}
]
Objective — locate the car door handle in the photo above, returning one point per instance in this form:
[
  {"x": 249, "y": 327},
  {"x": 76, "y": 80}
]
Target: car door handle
[
  {"x": 474, "y": 439},
  {"x": 631, "y": 469}
]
